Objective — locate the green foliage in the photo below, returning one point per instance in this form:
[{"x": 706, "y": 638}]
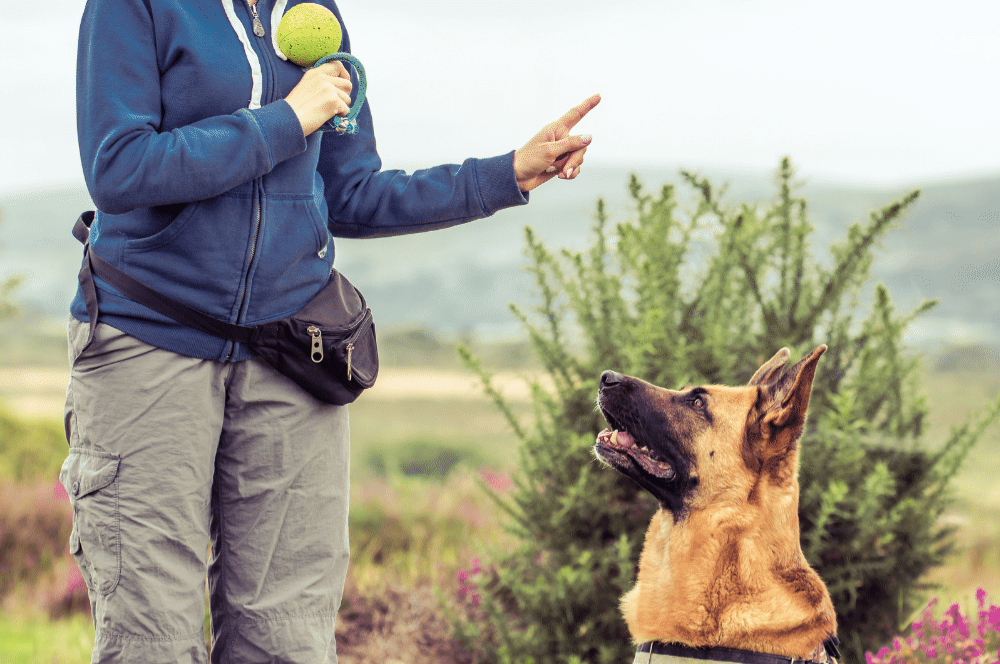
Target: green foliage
[
  {"x": 684, "y": 296},
  {"x": 29, "y": 449},
  {"x": 423, "y": 458}
]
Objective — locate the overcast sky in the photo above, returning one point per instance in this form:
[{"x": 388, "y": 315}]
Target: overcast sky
[{"x": 870, "y": 92}]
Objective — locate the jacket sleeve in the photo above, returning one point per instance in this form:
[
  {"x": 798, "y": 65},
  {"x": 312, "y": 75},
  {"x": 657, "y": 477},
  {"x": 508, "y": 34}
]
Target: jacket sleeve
[
  {"x": 128, "y": 160},
  {"x": 364, "y": 201}
]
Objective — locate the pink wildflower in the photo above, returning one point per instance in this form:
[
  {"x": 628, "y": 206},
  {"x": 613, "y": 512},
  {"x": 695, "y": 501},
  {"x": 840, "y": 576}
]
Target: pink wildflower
[
  {"x": 496, "y": 480},
  {"x": 59, "y": 491},
  {"x": 75, "y": 580},
  {"x": 993, "y": 615}
]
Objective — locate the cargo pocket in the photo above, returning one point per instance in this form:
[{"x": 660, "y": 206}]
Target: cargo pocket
[{"x": 91, "y": 480}]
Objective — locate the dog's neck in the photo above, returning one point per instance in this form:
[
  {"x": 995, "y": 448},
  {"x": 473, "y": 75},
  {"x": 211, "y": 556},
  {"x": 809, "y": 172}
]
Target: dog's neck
[{"x": 734, "y": 578}]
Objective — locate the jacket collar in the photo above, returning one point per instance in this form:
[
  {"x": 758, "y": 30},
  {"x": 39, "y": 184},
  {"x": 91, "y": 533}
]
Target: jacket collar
[{"x": 256, "y": 73}]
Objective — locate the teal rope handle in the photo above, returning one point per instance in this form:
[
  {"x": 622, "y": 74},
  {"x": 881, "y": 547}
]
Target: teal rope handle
[{"x": 347, "y": 124}]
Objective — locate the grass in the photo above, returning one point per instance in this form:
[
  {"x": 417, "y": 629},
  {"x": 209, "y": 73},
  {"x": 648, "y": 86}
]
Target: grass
[{"x": 39, "y": 640}]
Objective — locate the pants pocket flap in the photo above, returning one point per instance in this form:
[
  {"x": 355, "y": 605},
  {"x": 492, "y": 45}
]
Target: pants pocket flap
[{"x": 86, "y": 471}]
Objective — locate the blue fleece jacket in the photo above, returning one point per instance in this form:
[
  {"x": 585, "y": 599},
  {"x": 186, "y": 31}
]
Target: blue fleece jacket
[{"x": 206, "y": 188}]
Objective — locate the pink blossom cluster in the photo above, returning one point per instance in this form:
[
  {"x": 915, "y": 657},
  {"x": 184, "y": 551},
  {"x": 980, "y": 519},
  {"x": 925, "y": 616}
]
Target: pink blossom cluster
[
  {"x": 954, "y": 639},
  {"x": 467, "y": 588}
]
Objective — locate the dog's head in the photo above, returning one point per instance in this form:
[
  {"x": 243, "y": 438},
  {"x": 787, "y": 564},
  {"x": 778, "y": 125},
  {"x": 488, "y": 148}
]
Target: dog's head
[{"x": 702, "y": 445}]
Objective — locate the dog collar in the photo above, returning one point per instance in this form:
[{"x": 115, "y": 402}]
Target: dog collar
[{"x": 656, "y": 652}]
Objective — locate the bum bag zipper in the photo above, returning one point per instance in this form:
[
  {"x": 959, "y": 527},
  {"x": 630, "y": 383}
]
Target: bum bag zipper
[{"x": 316, "y": 352}]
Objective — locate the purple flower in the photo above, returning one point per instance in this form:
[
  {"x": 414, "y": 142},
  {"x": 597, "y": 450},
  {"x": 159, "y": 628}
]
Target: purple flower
[{"x": 981, "y": 597}]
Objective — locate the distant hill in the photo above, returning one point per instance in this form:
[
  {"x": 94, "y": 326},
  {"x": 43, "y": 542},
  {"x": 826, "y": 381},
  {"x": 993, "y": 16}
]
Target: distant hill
[{"x": 462, "y": 279}]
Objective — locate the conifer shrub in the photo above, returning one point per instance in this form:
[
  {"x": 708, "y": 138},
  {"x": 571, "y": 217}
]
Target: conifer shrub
[{"x": 694, "y": 290}]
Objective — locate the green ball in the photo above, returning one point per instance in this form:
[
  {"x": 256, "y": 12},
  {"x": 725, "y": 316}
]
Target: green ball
[{"x": 308, "y": 32}]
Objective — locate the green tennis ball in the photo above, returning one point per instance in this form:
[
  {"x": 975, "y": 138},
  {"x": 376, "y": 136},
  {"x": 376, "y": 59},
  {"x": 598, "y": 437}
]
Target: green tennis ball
[{"x": 308, "y": 32}]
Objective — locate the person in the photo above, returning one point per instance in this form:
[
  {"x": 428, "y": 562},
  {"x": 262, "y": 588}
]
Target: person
[{"x": 187, "y": 453}]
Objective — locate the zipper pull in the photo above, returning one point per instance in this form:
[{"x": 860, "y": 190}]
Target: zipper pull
[
  {"x": 350, "y": 350},
  {"x": 317, "y": 346},
  {"x": 258, "y": 26}
]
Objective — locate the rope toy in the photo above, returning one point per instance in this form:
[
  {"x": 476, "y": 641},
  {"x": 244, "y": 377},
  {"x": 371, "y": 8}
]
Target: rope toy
[{"x": 310, "y": 36}]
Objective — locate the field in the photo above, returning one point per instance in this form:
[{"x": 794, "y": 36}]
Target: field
[{"x": 424, "y": 441}]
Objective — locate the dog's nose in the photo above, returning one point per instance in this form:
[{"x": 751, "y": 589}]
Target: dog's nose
[{"x": 610, "y": 378}]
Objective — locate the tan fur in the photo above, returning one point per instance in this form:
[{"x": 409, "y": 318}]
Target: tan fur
[{"x": 730, "y": 570}]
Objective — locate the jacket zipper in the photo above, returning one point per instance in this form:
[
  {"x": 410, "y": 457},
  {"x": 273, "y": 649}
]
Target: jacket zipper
[
  {"x": 258, "y": 29},
  {"x": 258, "y": 26},
  {"x": 253, "y": 252}
]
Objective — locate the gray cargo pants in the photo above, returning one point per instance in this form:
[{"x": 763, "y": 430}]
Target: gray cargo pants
[{"x": 170, "y": 454}]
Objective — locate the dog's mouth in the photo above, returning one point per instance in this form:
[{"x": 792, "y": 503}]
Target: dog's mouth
[{"x": 622, "y": 450}]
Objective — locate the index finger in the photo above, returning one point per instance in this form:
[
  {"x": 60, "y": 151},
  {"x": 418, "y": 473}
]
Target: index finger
[{"x": 578, "y": 112}]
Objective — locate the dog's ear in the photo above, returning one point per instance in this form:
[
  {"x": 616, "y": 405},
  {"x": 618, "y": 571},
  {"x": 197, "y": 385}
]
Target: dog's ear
[
  {"x": 789, "y": 395},
  {"x": 770, "y": 369},
  {"x": 776, "y": 420}
]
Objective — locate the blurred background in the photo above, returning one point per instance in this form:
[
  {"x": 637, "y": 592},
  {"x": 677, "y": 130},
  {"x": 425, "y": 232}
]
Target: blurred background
[{"x": 870, "y": 100}]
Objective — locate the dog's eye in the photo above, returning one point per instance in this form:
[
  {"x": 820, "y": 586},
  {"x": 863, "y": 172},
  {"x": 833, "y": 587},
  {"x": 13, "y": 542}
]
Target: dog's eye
[{"x": 698, "y": 402}]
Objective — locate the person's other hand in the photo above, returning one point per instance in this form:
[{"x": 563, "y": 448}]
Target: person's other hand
[
  {"x": 323, "y": 92},
  {"x": 553, "y": 152}
]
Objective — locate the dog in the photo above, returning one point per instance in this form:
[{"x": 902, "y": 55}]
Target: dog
[{"x": 722, "y": 575}]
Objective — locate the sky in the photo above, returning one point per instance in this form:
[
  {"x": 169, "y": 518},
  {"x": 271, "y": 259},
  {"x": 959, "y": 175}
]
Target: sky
[{"x": 873, "y": 92}]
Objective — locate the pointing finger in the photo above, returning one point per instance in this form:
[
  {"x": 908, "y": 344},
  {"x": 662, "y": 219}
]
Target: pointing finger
[{"x": 578, "y": 112}]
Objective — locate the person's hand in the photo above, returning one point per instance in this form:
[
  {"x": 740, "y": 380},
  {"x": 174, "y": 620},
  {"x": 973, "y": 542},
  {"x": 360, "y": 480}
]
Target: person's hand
[
  {"x": 553, "y": 152},
  {"x": 323, "y": 92}
]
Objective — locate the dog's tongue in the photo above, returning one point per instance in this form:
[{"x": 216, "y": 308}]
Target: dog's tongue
[
  {"x": 616, "y": 438},
  {"x": 623, "y": 441}
]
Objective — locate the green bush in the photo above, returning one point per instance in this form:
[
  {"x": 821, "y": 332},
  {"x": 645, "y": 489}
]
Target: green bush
[{"x": 683, "y": 296}]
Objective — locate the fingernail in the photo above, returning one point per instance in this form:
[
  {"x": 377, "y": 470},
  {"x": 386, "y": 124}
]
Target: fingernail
[
  {"x": 550, "y": 169},
  {"x": 586, "y": 138},
  {"x": 569, "y": 173}
]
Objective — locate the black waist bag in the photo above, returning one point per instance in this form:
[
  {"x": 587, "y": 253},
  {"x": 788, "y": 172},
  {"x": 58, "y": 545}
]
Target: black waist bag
[{"x": 328, "y": 348}]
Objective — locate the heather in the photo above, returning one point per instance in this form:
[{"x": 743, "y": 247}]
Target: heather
[{"x": 971, "y": 637}]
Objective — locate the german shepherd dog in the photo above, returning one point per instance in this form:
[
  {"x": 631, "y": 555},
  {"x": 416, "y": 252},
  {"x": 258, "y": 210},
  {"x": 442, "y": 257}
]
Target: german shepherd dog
[{"x": 721, "y": 566}]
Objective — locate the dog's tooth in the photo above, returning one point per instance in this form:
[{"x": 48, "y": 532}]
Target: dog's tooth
[{"x": 614, "y": 437}]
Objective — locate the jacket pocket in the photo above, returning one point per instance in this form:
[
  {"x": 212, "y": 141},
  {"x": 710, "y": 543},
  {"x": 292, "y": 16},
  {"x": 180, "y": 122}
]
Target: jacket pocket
[{"x": 91, "y": 480}]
